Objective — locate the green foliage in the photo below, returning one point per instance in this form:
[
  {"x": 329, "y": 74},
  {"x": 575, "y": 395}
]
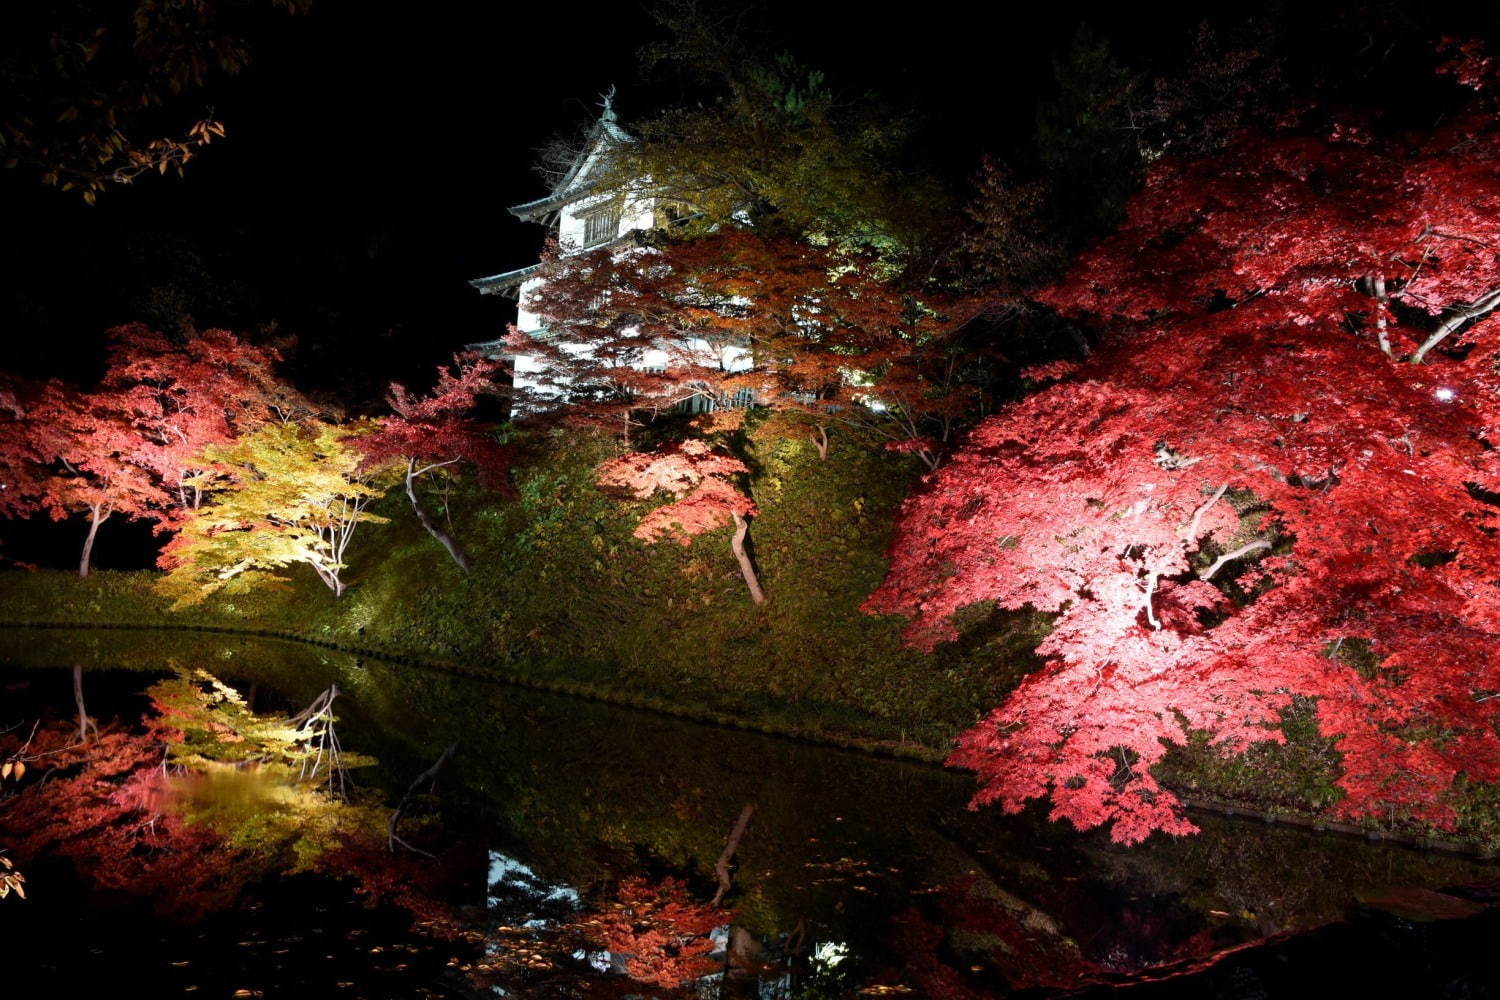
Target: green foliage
[
  {"x": 1086, "y": 137},
  {"x": 777, "y": 146}
]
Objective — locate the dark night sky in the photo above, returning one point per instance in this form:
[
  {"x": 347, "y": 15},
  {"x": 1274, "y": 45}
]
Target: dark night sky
[{"x": 372, "y": 153}]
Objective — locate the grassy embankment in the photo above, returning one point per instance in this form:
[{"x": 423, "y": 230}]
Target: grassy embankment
[{"x": 563, "y": 597}]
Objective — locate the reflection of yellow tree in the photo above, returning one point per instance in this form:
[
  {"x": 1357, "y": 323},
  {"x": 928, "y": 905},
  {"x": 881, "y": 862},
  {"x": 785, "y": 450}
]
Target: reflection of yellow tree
[
  {"x": 294, "y": 494},
  {"x": 228, "y": 803}
]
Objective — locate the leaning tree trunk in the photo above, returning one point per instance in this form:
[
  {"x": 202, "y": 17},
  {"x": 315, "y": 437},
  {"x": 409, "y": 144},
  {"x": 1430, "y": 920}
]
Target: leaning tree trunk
[
  {"x": 820, "y": 442},
  {"x": 96, "y": 518},
  {"x": 446, "y": 540},
  {"x": 84, "y": 722},
  {"x": 747, "y": 568}
]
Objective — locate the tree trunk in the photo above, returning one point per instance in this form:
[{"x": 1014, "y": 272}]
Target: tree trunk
[
  {"x": 95, "y": 519},
  {"x": 446, "y": 540},
  {"x": 84, "y": 722},
  {"x": 721, "y": 867},
  {"x": 747, "y": 568},
  {"x": 429, "y": 777}
]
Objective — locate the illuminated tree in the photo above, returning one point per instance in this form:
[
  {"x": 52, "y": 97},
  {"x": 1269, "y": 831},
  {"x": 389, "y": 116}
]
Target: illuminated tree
[
  {"x": 94, "y": 461},
  {"x": 738, "y": 315},
  {"x": 294, "y": 495},
  {"x": 23, "y": 463},
  {"x": 183, "y": 397},
  {"x": 612, "y": 351},
  {"x": 432, "y": 434},
  {"x": 1300, "y": 368},
  {"x": 701, "y": 483}
]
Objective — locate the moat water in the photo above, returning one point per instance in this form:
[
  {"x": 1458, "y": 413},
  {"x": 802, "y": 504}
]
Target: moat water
[{"x": 855, "y": 876}]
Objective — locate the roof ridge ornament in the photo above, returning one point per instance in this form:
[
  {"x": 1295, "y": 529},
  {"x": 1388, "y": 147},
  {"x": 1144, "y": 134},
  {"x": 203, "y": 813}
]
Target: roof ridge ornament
[{"x": 607, "y": 99}]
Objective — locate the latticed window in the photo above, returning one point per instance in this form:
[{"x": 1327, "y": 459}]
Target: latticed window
[
  {"x": 670, "y": 212},
  {"x": 601, "y": 225}
]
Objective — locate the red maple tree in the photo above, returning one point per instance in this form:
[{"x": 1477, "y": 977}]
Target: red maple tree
[
  {"x": 1299, "y": 366},
  {"x": 612, "y": 345},
  {"x": 23, "y": 463},
  {"x": 705, "y": 497},
  {"x": 738, "y": 317},
  {"x": 430, "y": 434},
  {"x": 660, "y": 931},
  {"x": 94, "y": 459},
  {"x": 182, "y": 397}
]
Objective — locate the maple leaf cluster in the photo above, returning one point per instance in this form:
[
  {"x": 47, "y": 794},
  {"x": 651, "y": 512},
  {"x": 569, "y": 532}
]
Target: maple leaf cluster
[
  {"x": 1276, "y": 479},
  {"x": 438, "y": 429},
  {"x": 735, "y": 314},
  {"x": 660, "y": 930},
  {"x": 701, "y": 482},
  {"x": 698, "y": 478}
]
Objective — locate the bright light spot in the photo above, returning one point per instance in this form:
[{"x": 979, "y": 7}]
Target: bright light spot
[
  {"x": 1445, "y": 394},
  {"x": 830, "y": 953}
]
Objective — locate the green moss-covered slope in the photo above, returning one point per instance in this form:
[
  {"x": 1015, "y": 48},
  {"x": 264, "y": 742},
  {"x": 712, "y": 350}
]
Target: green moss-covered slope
[{"x": 562, "y": 592}]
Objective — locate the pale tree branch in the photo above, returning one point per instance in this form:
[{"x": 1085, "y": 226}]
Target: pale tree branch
[
  {"x": 1230, "y": 557},
  {"x": 1479, "y": 307},
  {"x": 1192, "y": 529}
]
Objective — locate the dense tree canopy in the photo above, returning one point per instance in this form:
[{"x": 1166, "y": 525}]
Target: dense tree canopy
[
  {"x": 292, "y": 494},
  {"x": 1300, "y": 368},
  {"x": 737, "y": 316}
]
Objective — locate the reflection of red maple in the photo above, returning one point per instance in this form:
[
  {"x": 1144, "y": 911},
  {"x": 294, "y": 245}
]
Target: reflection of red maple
[
  {"x": 706, "y": 498},
  {"x": 661, "y": 932},
  {"x": 133, "y": 820},
  {"x": 1261, "y": 396},
  {"x": 103, "y": 810}
]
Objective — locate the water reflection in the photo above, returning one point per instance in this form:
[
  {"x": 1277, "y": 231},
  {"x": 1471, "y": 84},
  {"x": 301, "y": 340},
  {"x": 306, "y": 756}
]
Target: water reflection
[{"x": 578, "y": 843}]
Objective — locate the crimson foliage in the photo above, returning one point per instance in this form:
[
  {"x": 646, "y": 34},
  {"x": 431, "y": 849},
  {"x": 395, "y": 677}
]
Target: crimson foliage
[{"x": 1276, "y": 480}]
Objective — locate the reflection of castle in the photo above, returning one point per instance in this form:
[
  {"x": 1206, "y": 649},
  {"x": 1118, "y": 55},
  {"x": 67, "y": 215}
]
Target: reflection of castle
[{"x": 583, "y": 216}]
